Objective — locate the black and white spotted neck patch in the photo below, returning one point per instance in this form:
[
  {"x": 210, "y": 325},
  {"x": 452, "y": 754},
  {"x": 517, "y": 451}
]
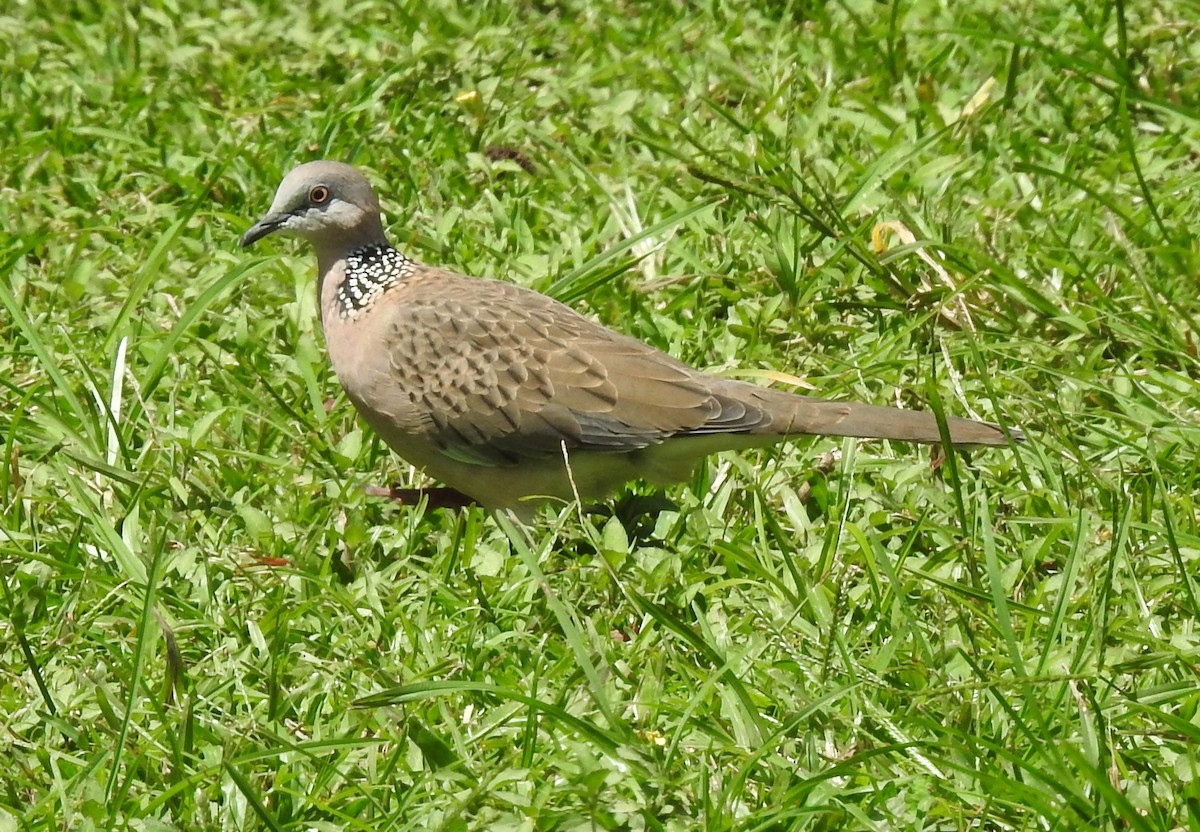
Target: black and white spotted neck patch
[{"x": 370, "y": 271}]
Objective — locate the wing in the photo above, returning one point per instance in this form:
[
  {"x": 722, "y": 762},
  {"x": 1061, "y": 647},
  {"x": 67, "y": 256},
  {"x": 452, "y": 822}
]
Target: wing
[{"x": 507, "y": 374}]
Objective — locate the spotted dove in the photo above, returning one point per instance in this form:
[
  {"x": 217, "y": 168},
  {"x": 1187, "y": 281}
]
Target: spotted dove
[{"x": 510, "y": 397}]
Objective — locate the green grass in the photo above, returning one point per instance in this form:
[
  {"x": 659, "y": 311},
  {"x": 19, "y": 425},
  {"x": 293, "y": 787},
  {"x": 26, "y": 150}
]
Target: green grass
[{"x": 206, "y": 625}]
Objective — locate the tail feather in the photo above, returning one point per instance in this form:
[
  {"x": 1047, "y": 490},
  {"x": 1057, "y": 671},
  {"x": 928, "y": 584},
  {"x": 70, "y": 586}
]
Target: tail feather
[
  {"x": 874, "y": 422},
  {"x": 804, "y": 415}
]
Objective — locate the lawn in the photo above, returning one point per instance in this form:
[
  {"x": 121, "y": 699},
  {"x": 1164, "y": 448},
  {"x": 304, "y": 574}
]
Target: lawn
[{"x": 983, "y": 209}]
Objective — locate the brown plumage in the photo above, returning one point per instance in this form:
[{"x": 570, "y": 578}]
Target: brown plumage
[{"x": 492, "y": 388}]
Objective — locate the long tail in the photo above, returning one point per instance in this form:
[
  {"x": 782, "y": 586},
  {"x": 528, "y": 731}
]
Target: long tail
[{"x": 792, "y": 414}]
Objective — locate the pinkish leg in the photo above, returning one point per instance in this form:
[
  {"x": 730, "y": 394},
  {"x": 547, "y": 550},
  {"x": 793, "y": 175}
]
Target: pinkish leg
[{"x": 438, "y": 497}]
